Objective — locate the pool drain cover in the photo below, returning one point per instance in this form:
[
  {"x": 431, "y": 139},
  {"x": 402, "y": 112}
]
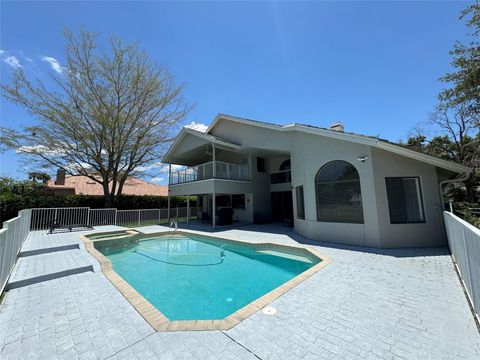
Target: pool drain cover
[{"x": 269, "y": 310}]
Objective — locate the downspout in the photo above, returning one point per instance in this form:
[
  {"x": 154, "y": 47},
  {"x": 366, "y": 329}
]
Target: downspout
[
  {"x": 440, "y": 216},
  {"x": 461, "y": 178}
]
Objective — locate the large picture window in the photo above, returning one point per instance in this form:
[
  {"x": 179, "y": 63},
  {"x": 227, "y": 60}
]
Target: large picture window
[
  {"x": 300, "y": 202},
  {"x": 405, "y": 200},
  {"x": 339, "y": 198}
]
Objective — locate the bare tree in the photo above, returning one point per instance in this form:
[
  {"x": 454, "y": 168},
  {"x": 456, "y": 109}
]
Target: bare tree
[
  {"x": 108, "y": 113},
  {"x": 461, "y": 142}
]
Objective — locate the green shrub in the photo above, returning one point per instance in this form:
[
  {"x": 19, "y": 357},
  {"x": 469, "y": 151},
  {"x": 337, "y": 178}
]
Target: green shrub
[{"x": 462, "y": 209}]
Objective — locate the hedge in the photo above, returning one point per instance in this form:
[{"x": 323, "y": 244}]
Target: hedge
[
  {"x": 463, "y": 209},
  {"x": 11, "y": 204}
]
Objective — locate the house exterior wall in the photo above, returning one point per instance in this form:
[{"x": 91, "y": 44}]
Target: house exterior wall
[
  {"x": 429, "y": 233},
  {"x": 219, "y": 186},
  {"x": 308, "y": 153},
  {"x": 255, "y": 139}
]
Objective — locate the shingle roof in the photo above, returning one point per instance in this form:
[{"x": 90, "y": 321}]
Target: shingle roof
[{"x": 133, "y": 186}]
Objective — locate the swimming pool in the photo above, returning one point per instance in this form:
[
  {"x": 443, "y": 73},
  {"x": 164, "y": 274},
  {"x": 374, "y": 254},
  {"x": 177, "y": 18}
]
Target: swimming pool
[{"x": 193, "y": 277}]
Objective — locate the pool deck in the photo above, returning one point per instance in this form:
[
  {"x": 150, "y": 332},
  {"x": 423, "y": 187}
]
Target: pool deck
[{"x": 366, "y": 304}]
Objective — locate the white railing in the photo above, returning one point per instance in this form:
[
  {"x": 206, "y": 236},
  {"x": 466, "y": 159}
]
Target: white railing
[
  {"x": 46, "y": 218},
  {"x": 99, "y": 217},
  {"x": 12, "y": 236},
  {"x": 223, "y": 170},
  {"x": 464, "y": 244},
  {"x": 51, "y": 218}
]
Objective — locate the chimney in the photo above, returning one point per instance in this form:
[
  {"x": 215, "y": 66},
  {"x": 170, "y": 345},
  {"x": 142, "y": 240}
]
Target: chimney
[
  {"x": 60, "y": 177},
  {"x": 337, "y": 126}
]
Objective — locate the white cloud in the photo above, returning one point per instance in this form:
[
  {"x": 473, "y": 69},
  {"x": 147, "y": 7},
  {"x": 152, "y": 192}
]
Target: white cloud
[
  {"x": 39, "y": 149},
  {"x": 29, "y": 59},
  {"x": 157, "y": 179},
  {"x": 2, "y": 52},
  {"x": 149, "y": 167},
  {"x": 175, "y": 167},
  {"x": 54, "y": 64},
  {"x": 12, "y": 61},
  {"x": 197, "y": 126}
]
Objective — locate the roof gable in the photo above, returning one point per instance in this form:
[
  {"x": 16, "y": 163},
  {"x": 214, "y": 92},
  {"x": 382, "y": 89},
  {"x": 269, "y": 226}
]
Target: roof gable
[{"x": 350, "y": 137}]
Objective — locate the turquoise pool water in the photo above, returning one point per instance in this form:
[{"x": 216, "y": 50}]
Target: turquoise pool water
[{"x": 200, "y": 278}]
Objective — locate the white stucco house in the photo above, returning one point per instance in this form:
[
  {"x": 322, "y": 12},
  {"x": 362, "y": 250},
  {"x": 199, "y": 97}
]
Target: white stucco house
[{"x": 328, "y": 184}]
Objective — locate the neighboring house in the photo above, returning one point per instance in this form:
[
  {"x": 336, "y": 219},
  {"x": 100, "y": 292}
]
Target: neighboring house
[
  {"x": 331, "y": 185},
  {"x": 83, "y": 185}
]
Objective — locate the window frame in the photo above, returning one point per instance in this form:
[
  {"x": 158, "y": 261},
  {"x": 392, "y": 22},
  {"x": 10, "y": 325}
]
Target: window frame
[
  {"x": 419, "y": 197},
  {"x": 261, "y": 165},
  {"x": 316, "y": 183},
  {"x": 297, "y": 188},
  {"x": 235, "y": 205}
]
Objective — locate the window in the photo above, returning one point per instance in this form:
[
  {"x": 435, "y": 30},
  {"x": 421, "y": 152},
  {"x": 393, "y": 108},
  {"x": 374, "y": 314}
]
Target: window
[
  {"x": 300, "y": 202},
  {"x": 285, "y": 165},
  {"x": 339, "y": 198},
  {"x": 404, "y": 200},
  {"x": 238, "y": 201},
  {"x": 223, "y": 201},
  {"x": 260, "y": 164}
]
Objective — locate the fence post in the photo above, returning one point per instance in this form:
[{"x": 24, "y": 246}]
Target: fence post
[
  {"x": 88, "y": 217},
  {"x": 188, "y": 208},
  {"x": 159, "y": 215},
  {"x": 116, "y": 212},
  {"x": 177, "y": 212},
  {"x": 139, "y": 217}
]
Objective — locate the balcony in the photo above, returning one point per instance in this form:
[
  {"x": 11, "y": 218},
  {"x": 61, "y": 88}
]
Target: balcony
[
  {"x": 223, "y": 170},
  {"x": 281, "y": 177}
]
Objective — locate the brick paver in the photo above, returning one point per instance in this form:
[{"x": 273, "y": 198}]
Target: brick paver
[{"x": 367, "y": 304}]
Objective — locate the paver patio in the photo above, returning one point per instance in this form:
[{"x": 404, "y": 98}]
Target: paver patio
[{"x": 367, "y": 304}]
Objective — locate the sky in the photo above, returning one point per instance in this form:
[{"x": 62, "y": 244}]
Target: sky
[{"x": 372, "y": 65}]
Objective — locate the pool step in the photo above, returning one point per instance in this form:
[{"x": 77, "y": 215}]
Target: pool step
[
  {"x": 37, "y": 268},
  {"x": 287, "y": 255},
  {"x": 55, "y": 275},
  {"x": 48, "y": 250}
]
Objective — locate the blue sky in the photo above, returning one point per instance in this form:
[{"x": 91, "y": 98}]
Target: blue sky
[{"x": 372, "y": 65}]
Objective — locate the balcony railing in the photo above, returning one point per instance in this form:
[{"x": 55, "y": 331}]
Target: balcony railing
[
  {"x": 223, "y": 170},
  {"x": 281, "y": 177}
]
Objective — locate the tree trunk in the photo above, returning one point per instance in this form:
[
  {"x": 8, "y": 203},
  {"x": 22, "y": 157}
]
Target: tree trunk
[
  {"x": 470, "y": 187},
  {"x": 106, "y": 193}
]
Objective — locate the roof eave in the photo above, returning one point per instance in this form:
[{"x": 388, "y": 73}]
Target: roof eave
[
  {"x": 360, "y": 139},
  {"x": 432, "y": 160},
  {"x": 204, "y": 136}
]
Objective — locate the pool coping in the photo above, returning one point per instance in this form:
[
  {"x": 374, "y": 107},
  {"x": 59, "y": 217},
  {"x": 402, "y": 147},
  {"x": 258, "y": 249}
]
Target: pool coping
[{"x": 160, "y": 322}]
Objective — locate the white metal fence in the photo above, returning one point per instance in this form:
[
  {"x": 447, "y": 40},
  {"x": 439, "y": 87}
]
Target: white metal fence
[
  {"x": 464, "y": 243},
  {"x": 45, "y": 218},
  {"x": 12, "y": 236},
  {"x": 48, "y": 218},
  {"x": 15, "y": 231}
]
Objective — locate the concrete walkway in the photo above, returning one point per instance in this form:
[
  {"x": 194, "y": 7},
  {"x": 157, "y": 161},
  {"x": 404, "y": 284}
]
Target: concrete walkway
[{"x": 367, "y": 304}]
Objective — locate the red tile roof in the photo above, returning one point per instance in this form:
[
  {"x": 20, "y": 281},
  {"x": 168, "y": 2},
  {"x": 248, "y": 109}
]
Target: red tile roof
[{"x": 86, "y": 186}]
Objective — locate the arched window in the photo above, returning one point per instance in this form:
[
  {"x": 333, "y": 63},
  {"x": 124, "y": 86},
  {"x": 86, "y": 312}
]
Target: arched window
[
  {"x": 285, "y": 165},
  {"x": 339, "y": 198}
]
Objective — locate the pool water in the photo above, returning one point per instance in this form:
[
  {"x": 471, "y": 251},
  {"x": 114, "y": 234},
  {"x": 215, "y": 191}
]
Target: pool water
[{"x": 198, "y": 278}]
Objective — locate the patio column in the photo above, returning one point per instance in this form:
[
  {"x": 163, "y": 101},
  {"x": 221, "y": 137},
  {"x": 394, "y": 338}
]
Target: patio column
[
  {"x": 213, "y": 210},
  {"x": 214, "y": 166},
  {"x": 188, "y": 208},
  {"x": 169, "y": 181}
]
